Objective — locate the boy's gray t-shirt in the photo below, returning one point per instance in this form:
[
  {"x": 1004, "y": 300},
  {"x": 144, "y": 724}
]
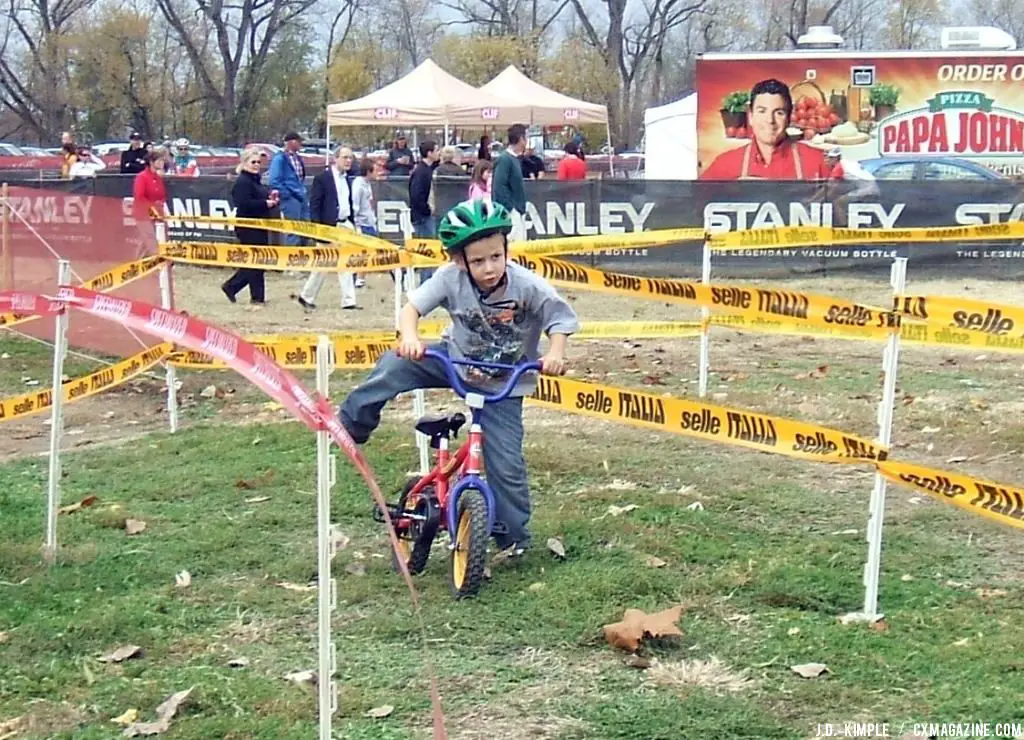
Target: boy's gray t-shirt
[{"x": 506, "y": 327}]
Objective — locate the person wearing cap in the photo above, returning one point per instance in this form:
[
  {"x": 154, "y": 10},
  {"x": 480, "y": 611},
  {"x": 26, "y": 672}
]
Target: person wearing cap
[
  {"x": 185, "y": 165},
  {"x": 400, "y": 159},
  {"x": 133, "y": 159},
  {"x": 288, "y": 177}
]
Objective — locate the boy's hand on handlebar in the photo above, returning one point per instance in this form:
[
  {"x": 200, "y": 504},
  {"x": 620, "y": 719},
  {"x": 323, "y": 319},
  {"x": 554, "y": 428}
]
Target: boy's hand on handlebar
[
  {"x": 553, "y": 364},
  {"x": 411, "y": 348}
]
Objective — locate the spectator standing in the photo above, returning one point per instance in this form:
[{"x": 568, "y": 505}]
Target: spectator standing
[
  {"x": 149, "y": 198},
  {"x": 400, "y": 160},
  {"x": 252, "y": 199},
  {"x": 133, "y": 159},
  {"x": 480, "y": 185},
  {"x": 332, "y": 202},
  {"x": 507, "y": 182},
  {"x": 572, "y": 166},
  {"x": 448, "y": 166},
  {"x": 424, "y": 224},
  {"x": 362, "y": 198},
  {"x": 185, "y": 165},
  {"x": 288, "y": 177},
  {"x": 484, "y": 152},
  {"x": 86, "y": 164},
  {"x": 68, "y": 154},
  {"x": 533, "y": 166}
]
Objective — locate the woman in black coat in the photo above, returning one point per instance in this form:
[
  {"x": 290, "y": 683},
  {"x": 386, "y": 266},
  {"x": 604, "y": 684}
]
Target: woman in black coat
[{"x": 252, "y": 200}]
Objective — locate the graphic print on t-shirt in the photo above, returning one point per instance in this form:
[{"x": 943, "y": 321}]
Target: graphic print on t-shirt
[{"x": 496, "y": 336}]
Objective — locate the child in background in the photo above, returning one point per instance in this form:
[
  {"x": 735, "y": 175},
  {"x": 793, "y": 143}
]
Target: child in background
[{"x": 480, "y": 185}]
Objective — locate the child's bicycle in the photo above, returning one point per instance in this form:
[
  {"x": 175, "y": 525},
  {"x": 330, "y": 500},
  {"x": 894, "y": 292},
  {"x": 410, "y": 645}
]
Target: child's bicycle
[{"x": 453, "y": 493}]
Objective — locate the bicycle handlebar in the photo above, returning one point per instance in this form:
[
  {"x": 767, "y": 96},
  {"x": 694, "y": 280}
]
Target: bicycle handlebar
[{"x": 460, "y": 388}]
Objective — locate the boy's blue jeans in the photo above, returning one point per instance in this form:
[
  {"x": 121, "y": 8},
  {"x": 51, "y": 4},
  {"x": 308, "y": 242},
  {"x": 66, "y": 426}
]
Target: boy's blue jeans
[{"x": 503, "y": 435}]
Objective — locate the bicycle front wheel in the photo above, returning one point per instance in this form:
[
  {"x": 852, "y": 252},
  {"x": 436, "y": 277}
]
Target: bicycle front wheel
[{"x": 469, "y": 556}]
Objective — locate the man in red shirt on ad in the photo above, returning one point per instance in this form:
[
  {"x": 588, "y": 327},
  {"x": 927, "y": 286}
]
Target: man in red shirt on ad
[{"x": 771, "y": 155}]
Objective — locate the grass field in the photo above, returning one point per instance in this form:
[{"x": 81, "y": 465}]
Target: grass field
[{"x": 763, "y": 568}]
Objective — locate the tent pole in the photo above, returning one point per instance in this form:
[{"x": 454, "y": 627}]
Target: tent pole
[{"x": 611, "y": 149}]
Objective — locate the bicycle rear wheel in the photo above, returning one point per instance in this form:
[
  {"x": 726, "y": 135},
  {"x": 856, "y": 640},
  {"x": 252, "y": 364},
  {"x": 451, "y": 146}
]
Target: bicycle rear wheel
[
  {"x": 414, "y": 546},
  {"x": 469, "y": 556}
]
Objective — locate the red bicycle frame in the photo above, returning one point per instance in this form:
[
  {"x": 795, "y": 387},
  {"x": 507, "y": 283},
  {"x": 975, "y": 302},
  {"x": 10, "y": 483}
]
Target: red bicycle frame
[{"x": 468, "y": 459}]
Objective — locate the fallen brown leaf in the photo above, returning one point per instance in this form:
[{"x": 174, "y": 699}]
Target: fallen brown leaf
[
  {"x": 879, "y": 626},
  {"x": 355, "y": 569},
  {"x": 129, "y": 716},
  {"x": 296, "y": 587},
  {"x": 165, "y": 713},
  {"x": 653, "y": 562},
  {"x": 11, "y": 728},
  {"x": 183, "y": 579},
  {"x": 636, "y": 625},
  {"x": 72, "y": 508},
  {"x": 260, "y": 480},
  {"x": 302, "y": 677},
  {"x": 652, "y": 380},
  {"x": 257, "y": 499},
  {"x": 238, "y": 662},
  {"x": 908, "y": 399},
  {"x": 809, "y": 670},
  {"x": 121, "y": 654},
  {"x": 134, "y": 526},
  {"x": 989, "y": 593},
  {"x": 380, "y": 712},
  {"x": 556, "y": 547},
  {"x": 636, "y": 661},
  {"x": 819, "y": 372},
  {"x": 4, "y": 637}
]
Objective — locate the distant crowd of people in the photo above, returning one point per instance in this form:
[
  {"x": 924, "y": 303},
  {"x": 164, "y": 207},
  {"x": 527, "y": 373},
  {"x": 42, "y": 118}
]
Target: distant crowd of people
[{"x": 79, "y": 160}]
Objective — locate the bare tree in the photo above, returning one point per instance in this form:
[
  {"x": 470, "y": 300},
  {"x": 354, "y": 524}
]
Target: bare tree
[
  {"x": 913, "y": 22},
  {"x": 341, "y": 26},
  {"x": 631, "y": 43},
  {"x": 34, "y": 62},
  {"x": 1005, "y": 14},
  {"x": 244, "y": 32},
  {"x": 522, "y": 18}
]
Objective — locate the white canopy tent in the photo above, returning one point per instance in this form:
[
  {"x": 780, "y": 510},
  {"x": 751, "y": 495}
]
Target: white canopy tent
[
  {"x": 427, "y": 96},
  {"x": 670, "y": 134},
  {"x": 546, "y": 107}
]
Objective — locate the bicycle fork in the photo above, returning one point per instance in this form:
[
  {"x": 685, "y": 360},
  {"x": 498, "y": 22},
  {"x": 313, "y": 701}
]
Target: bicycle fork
[{"x": 471, "y": 471}]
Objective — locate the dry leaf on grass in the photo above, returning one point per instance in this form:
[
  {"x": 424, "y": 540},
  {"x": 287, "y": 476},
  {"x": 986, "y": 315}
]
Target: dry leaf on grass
[
  {"x": 620, "y": 510},
  {"x": 164, "y": 713},
  {"x": 302, "y": 677},
  {"x": 637, "y": 661},
  {"x": 695, "y": 506},
  {"x": 809, "y": 670},
  {"x": 556, "y": 547},
  {"x": 134, "y": 526},
  {"x": 260, "y": 480},
  {"x": 257, "y": 499},
  {"x": 654, "y": 562},
  {"x": 712, "y": 675},
  {"x": 355, "y": 569},
  {"x": 636, "y": 626},
  {"x": 879, "y": 626},
  {"x": 122, "y": 654},
  {"x": 538, "y": 586},
  {"x": 11, "y": 728},
  {"x": 129, "y": 716},
  {"x": 989, "y": 593},
  {"x": 380, "y": 712},
  {"x": 819, "y": 372},
  {"x": 209, "y": 391},
  {"x": 238, "y": 663},
  {"x": 793, "y": 631},
  {"x": 652, "y": 380},
  {"x": 4, "y": 637},
  {"x": 72, "y": 508},
  {"x": 183, "y": 579},
  {"x": 296, "y": 587}
]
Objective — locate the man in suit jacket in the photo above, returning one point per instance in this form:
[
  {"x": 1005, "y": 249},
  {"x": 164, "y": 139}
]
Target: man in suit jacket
[{"x": 330, "y": 202}]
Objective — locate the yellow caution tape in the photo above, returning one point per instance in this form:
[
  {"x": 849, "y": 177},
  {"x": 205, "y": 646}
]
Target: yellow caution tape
[
  {"x": 705, "y": 421},
  {"x": 995, "y": 501},
  {"x": 964, "y": 314},
  {"x": 805, "y": 309},
  {"x": 105, "y": 281},
  {"x": 788, "y": 437},
  {"x": 319, "y": 232},
  {"x": 316, "y": 259},
  {"x": 296, "y": 353},
  {"x": 88, "y": 385},
  {"x": 803, "y": 236}
]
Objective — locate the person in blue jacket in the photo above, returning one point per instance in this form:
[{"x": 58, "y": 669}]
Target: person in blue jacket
[{"x": 288, "y": 178}]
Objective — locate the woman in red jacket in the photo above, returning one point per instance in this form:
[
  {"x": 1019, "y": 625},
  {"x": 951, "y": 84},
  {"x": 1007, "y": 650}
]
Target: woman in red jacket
[
  {"x": 572, "y": 166},
  {"x": 149, "y": 196}
]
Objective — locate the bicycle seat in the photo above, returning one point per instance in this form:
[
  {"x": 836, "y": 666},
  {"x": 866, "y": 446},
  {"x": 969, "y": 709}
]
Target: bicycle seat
[{"x": 440, "y": 425}]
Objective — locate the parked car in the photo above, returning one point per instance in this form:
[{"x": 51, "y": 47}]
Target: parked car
[
  {"x": 9, "y": 150},
  {"x": 928, "y": 168}
]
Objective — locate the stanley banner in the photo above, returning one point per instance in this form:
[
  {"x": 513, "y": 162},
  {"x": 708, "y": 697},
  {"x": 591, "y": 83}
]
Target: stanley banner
[
  {"x": 105, "y": 281},
  {"x": 804, "y": 309},
  {"x": 89, "y": 385},
  {"x": 317, "y": 259}
]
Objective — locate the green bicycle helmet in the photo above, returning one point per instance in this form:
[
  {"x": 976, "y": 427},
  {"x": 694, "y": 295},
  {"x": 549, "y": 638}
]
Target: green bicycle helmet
[{"x": 472, "y": 220}]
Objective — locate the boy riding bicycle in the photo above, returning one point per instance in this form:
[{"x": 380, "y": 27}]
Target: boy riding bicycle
[{"x": 498, "y": 311}]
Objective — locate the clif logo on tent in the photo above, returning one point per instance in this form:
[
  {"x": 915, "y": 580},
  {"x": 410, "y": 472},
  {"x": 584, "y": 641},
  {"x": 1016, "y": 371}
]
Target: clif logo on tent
[
  {"x": 385, "y": 113},
  {"x": 571, "y": 114},
  {"x": 490, "y": 114}
]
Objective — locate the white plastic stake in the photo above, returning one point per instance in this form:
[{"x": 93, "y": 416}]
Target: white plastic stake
[
  {"x": 705, "y": 338},
  {"x": 60, "y": 349},
  {"x": 419, "y": 402},
  {"x": 167, "y": 303},
  {"x": 325, "y": 544},
  {"x": 876, "y": 518}
]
